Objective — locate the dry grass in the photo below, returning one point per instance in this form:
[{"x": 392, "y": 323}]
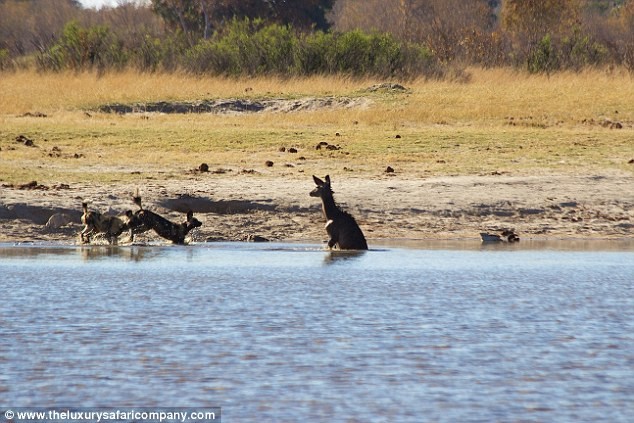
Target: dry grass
[{"x": 499, "y": 121}]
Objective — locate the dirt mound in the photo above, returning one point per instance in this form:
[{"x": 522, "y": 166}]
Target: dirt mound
[{"x": 229, "y": 106}]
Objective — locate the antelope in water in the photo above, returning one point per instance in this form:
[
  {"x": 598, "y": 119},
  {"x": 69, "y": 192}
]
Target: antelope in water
[{"x": 343, "y": 230}]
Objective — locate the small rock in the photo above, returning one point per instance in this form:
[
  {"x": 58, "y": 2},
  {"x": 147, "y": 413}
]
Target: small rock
[
  {"x": 389, "y": 169},
  {"x": 292, "y": 150},
  {"x": 204, "y": 167},
  {"x": 268, "y": 163}
]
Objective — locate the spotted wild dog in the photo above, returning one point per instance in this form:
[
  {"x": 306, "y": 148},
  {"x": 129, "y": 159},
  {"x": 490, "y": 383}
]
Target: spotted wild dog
[
  {"x": 343, "y": 230},
  {"x": 144, "y": 220},
  {"x": 97, "y": 223}
]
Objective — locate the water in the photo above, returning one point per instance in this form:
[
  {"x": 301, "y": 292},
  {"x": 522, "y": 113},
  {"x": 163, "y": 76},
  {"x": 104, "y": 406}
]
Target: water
[{"x": 289, "y": 332}]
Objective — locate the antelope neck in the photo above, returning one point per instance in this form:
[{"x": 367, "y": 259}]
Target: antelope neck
[{"x": 328, "y": 205}]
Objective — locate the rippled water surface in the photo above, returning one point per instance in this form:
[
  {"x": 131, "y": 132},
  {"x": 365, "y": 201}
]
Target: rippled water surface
[{"x": 291, "y": 333}]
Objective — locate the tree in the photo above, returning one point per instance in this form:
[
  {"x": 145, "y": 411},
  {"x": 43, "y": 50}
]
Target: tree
[
  {"x": 198, "y": 18},
  {"x": 530, "y": 20},
  {"x": 26, "y": 25},
  {"x": 450, "y": 28}
]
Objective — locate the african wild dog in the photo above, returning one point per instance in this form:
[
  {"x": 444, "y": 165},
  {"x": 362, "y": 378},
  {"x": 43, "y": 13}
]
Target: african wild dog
[
  {"x": 144, "y": 220},
  {"x": 97, "y": 223}
]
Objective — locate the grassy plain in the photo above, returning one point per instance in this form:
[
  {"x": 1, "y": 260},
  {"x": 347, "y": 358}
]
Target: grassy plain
[{"x": 498, "y": 121}]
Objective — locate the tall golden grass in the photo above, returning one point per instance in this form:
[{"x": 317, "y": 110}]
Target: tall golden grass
[{"x": 497, "y": 121}]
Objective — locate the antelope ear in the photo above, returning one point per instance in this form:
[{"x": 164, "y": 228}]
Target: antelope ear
[
  {"x": 328, "y": 179},
  {"x": 318, "y": 181}
]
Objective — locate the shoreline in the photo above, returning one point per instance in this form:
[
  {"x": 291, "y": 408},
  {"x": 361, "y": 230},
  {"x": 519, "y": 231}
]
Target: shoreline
[
  {"x": 240, "y": 207},
  {"x": 101, "y": 248}
]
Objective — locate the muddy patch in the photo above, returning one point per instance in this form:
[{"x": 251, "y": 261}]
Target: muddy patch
[
  {"x": 234, "y": 106},
  {"x": 185, "y": 203}
]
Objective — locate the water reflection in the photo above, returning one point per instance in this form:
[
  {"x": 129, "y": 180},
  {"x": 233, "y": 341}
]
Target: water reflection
[
  {"x": 34, "y": 251},
  {"x": 92, "y": 252},
  {"x": 127, "y": 253},
  {"x": 336, "y": 256},
  {"x": 621, "y": 244}
]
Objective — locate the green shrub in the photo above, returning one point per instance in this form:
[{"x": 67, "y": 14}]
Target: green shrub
[
  {"x": 579, "y": 51},
  {"x": 84, "y": 48},
  {"x": 5, "y": 60},
  {"x": 359, "y": 54},
  {"x": 245, "y": 48},
  {"x": 542, "y": 57},
  {"x": 277, "y": 50},
  {"x": 350, "y": 53}
]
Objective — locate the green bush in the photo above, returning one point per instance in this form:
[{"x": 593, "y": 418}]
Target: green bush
[
  {"x": 245, "y": 48},
  {"x": 350, "y": 53},
  {"x": 277, "y": 50},
  {"x": 313, "y": 53},
  {"x": 5, "y": 60},
  {"x": 230, "y": 51},
  {"x": 579, "y": 51},
  {"x": 542, "y": 57},
  {"x": 359, "y": 54},
  {"x": 84, "y": 48},
  {"x": 149, "y": 54}
]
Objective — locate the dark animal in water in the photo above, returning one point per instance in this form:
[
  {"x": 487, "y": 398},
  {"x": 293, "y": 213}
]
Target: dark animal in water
[
  {"x": 144, "y": 220},
  {"x": 343, "y": 230},
  {"x": 507, "y": 235},
  {"x": 97, "y": 223}
]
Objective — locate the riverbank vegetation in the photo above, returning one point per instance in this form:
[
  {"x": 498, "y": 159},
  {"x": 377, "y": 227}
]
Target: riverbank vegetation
[{"x": 435, "y": 39}]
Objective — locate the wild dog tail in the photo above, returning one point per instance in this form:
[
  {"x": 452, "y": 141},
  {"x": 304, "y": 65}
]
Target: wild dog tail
[
  {"x": 88, "y": 218},
  {"x": 137, "y": 199}
]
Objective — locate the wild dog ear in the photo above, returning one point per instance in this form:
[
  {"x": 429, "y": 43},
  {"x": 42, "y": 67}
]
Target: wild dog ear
[
  {"x": 190, "y": 215},
  {"x": 318, "y": 181},
  {"x": 328, "y": 179}
]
